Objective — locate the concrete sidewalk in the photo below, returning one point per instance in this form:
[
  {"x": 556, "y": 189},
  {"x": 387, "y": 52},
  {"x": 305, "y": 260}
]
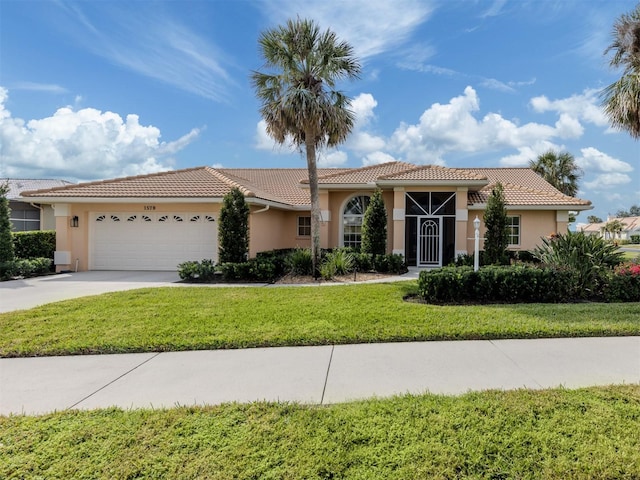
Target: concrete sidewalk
[{"x": 314, "y": 375}]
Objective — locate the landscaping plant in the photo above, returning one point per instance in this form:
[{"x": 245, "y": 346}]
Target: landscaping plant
[
  {"x": 496, "y": 237},
  {"x": 374, "y": 226},
  {"x": 233, "y": 228},
  {"x": 590, "y": 257}
]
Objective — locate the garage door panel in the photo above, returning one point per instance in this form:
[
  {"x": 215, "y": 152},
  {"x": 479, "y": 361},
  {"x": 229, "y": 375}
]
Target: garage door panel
[{"x": 131, "y": 241}]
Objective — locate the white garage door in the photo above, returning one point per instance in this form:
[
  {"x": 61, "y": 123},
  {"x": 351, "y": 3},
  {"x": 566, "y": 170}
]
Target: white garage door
[{"x": 154, "y": 241}]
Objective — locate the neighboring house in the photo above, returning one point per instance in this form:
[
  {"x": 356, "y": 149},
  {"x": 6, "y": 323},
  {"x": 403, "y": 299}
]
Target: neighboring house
[
  {"x": 631, "y": 226},
  {"x": 25, "y": 214},
  {"x": 154, "y": 222}
]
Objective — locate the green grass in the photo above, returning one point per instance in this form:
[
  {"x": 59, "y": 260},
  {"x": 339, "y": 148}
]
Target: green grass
[
  {"x": 590, "y": 433},
  {"x": 189, "y": 318}
]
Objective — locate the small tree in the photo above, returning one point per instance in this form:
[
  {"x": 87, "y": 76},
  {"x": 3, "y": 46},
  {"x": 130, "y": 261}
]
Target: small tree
[
  {"x": 233, "y": 228},
  {"x": 594, "y": 219},
  {"x": 374, "y": 226},
  {"x": 6, "y": 240},
  {"x": 495, "y": 221}
]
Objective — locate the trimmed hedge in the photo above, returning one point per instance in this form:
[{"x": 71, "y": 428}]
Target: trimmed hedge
[
  {"x": 523, "y": 284},
  {"x": 34, "y": 244},
  {"x": 508, "y": 284}
]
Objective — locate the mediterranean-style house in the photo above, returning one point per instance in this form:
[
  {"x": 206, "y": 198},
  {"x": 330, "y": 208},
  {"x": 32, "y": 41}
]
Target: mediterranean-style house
[
  {"x": 630, "y": 226},
  {"x": 26, "y": 215},
  {"x": 156, "y": 221}
]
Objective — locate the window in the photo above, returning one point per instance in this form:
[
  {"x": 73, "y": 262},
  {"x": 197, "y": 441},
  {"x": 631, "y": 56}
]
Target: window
[
  {"x": 513, "y": 227},
  {"x": 352, "y": 217},
  {"x": 25, "y": 218},
  {"x": 304, "y": 226}
]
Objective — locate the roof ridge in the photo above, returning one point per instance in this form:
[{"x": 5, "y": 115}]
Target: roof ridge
[
  {"x": 366, "y": 168},
  {"x": 416, "y": 168},
  {"x": 225, "y": 178}
]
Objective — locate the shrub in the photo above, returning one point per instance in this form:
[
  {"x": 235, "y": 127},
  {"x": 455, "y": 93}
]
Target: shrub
[
  {"x": 497, "y": 234},
  {"x": 233, "y": 228},
  {"x": 300, "y": 262},
  {"x": 635, "y": 239},
  {"x": 390, "y": 263},
  {"x": 363, "y": 262},
  {"x": 374, "y": 226},
  {"x": 35, "y": 244},
  {"x": 192, "y": 271},
  {"x": 624, "y": 284},
  {"x": 253, "y": 270},
  {"x": 590, "y": 257},
  {"x": 25, "y": 268},
  {"x": 337, "y": 262},
  {"x": 521, "y": 283},
  {"x": 6, "y": 241}
]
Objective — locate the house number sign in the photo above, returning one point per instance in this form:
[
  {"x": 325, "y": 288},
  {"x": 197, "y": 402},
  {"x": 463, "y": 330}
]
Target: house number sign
[{"x": 149, "y": 207}]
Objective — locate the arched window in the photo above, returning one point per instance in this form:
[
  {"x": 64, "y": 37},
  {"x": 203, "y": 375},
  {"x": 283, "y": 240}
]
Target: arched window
[{"x": 352, "y": 217}]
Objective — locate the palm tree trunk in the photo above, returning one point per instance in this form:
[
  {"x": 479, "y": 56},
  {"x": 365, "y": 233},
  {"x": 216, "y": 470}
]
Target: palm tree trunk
[{"x": 315, "y": 204}]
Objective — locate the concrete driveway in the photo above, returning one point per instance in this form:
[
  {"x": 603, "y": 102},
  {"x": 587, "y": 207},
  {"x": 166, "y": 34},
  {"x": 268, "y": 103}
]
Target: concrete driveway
[{"x": 31, "y": 292}]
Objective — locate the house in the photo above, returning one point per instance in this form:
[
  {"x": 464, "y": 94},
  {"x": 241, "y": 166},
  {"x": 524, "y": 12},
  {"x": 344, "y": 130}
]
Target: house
[
  {"x": 25, "y": 214},
  {"x": 630, "y": 226},
  {"x": 155, "y": 222}
]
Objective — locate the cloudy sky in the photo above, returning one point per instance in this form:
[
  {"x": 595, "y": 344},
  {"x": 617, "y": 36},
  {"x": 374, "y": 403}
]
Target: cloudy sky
[{"x": 94, "y": 90}]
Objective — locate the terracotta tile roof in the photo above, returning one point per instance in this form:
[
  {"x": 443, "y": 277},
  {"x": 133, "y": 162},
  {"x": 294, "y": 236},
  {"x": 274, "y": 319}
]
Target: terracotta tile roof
[
  {"x": 434, "y": 172},
  {"x": 365, "y": 174},
  {"x": 277, "y": 184},
  {"x": 192, "y": 182},
  {"x": 518, "y": 195},
  {"x": 287, "y": 185}
]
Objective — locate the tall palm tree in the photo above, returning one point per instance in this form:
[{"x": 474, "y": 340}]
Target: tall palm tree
[
  {"x": 621, "y": 99},
  {"x": 559, "y": 169},
  {"x": 300, "y": 103}
]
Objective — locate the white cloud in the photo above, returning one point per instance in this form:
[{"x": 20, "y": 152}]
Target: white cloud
[
  {"x": 332, "y": 159},
  {"x": 452, "y": 127},
  {"x": 86, "y": 144},
  {"x": 265, "y": 142},
  {"x": 608, "y": 180},
  {"x": 40, "y": 87},
  {"x": 363, "y": 106},
  {"x": 593, "y": 158},
  {"x": 527, "y": 153},
  {"x": 376, "y": 158},
  {"x": 568, "y": 127},
  {"x": 584, "y": 107},
  {"x": 370, "y": 26}
]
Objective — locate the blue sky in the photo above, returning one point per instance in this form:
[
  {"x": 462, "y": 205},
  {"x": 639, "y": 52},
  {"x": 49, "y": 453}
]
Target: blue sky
[{"x": 100, "y": 89}]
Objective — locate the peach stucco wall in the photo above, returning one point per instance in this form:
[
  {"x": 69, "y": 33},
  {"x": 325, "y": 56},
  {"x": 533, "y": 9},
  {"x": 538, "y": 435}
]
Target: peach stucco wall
[{"x": 274, "y": 228}]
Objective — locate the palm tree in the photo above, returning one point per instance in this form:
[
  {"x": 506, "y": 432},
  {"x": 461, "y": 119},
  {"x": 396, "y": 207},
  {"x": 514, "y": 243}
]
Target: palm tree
[
  {"x": 621, "y": 99},
  {"x": 559, "y": 169},
  {"x": 299, "y": 99},
  {"x": 614, "y": 227}
]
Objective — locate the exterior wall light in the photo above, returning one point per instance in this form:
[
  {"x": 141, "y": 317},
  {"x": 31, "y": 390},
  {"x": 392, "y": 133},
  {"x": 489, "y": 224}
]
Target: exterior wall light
[{"x": 74, "y": 221}]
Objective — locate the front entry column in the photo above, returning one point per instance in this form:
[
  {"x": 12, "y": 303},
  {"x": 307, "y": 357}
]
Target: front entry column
[
  {"x": 62, "y": 254},
  {"x": 398, "y": 242}
]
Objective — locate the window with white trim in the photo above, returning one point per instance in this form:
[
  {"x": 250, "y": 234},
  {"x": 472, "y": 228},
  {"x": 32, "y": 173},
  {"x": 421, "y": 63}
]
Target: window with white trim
[
  {"x": 25, "y": 219},
  {"x": 352, "y": 217},
  {"x": 304, "y": 226},
  {"x": 513, "y": 227}
]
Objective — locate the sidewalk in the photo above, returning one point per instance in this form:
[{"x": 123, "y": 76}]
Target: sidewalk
[{"x": 313, "y": 375}]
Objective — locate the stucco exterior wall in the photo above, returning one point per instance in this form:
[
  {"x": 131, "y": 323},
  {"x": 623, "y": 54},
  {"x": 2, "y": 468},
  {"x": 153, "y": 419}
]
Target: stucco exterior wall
[
  {"x": 76, "y": 239},
  {"x": 274, "y": 229}
]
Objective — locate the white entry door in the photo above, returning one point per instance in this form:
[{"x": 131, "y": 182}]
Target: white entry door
[
  {"x": 429, "y": 242},
  {"x": 154, "y": 241}
]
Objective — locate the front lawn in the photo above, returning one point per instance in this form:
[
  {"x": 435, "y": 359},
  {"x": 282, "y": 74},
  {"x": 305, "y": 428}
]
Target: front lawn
[
  {"x": 591, "y": 433},
  {"x": 191, "y": 318}
]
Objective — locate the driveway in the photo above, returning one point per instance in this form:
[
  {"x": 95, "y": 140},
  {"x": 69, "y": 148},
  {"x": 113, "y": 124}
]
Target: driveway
[{"x": 31, "y": 292}]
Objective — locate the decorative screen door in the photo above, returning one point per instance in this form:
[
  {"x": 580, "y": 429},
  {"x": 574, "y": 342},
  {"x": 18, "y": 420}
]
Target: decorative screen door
[{"x": 429, "y": 242}]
